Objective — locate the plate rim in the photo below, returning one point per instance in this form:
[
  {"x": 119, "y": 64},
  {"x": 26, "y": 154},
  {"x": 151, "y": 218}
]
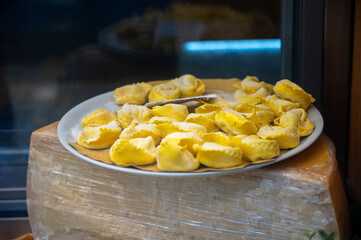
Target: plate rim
[{"x": 62, "y": 138}]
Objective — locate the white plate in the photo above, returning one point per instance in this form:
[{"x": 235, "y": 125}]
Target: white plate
[{"x": 69, "y": 128}]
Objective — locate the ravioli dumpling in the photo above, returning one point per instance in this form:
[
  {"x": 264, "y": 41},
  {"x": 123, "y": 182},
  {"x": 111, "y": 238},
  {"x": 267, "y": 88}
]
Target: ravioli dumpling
[
  {"x": 296, "y": 118},
  {"x": 176, "y": 111},
  {"x": 288, "y": 90},
  {"x": 260, "y": 114},
  {"x": 217, "y": 137},
  {"x": 305, "y": 128},
  {"x": 137, "y": 151},
  {"x": 204, "y": 119},
  {"x": 255, "y": 148},
  {"x": 234, "y": 123},
  {"x": 99, "y": 137},
  {"x": 236, "y": 140},
  {"x": 217, "y": 156},
  {"x": 189, "y": 139},
  {"x": 159, "y": 120},
  {"x": 285, "y": 137},
  {"x": 163, "y": 92},
  {"x": 250, "y": 84},
  {"x": 250, "y": 89},
  {"x": 131, "y": 115},
  {"x": 241, "y": 97},
  {"x": 168, "y": 128},
  {"x": 132, "y": 94},
  {"x": 189, "y": 86},
  {"x": 98, "y": 117},
  {"x": 278, "y": 105},
  {"x": 172, "y": 156},
  {"x": 190, "y": 127},
  {"x": 220, "y": 101},
  {"x": 142, "y": 131},
  {"x": 207, "y": 108}
]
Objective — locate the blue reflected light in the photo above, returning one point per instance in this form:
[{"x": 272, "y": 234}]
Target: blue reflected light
[{"x": 233, "y": 45}]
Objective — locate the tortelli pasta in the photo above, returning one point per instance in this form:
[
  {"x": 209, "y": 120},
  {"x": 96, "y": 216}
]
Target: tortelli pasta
[
  {"x": 136, "y": 151},
  {"x": 176, "y": 111},
  {"x": 189, "y": 139},
  {"x": 98, "y": 118},
  {"x": 159, "y": 120},
  {"x": 217, "y": 137},
  {"x": 132, "y": 115},
  {"x": 207, "y": 120},
  {"x": 189, "y": 86},
  {"x": 255, "y": 148},
  {"x": 142, "y": 131},
  {"x": 218, "y": 156},
  {"x": 132, "y": 94},
  {"x": 163, "y": 92},
  {"x": 173, "y": 156},
  {"x": 234, "y": 123},
  {"x": 260, "y": 120},
  {"x": 99, "y": 137},
  {"x": 288, "y": 90}
]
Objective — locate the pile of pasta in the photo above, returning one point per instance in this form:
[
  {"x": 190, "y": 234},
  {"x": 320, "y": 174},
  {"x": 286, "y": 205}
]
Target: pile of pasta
[{"x": 254, "y": 127}]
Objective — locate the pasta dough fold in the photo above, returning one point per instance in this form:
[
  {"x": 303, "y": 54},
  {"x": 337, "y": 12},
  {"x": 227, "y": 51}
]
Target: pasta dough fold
[
  {"x": 163, "y": 92},
  {"x": 189, "y": 86},
  {"x": 255, "y": 148},
  {"x": 97, "y": 118},
  {"x": 296, "y": 118},
  {"x": 291, "y": 91},
  {"x": 217, "y": 137},
  {"x": 132, "y": 115},
  {"x": 99, "y": 137},
  {"x": 142, "y": 131},
  {"x": 132, "y": 94},
  {"x": 204, "y": 119},
  {"x": 234, "y": 123},
  {"x": 188, "y": 139},
  {"x": 285, "y": 137},
  {"x": 137, "y": 151},
  {"x": 279, "y": 106},
  {"x": 172, "y": 156},
  {"x": 176, "y": 111},
  {"x": 217, "y": 156}
]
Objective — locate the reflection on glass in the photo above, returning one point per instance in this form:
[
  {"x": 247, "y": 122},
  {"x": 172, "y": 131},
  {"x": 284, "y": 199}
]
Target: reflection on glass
[
  {"x": 165, "y": 30},
  {"x": 56, "y": 54},
  {"x": 233, "y": 45}
]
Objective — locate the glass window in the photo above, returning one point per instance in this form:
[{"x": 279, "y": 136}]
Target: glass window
[{"x": 55, "y": 54}]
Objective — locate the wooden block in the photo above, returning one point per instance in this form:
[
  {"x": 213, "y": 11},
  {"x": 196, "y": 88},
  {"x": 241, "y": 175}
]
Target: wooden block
[{"x": 69, "y": 198}]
